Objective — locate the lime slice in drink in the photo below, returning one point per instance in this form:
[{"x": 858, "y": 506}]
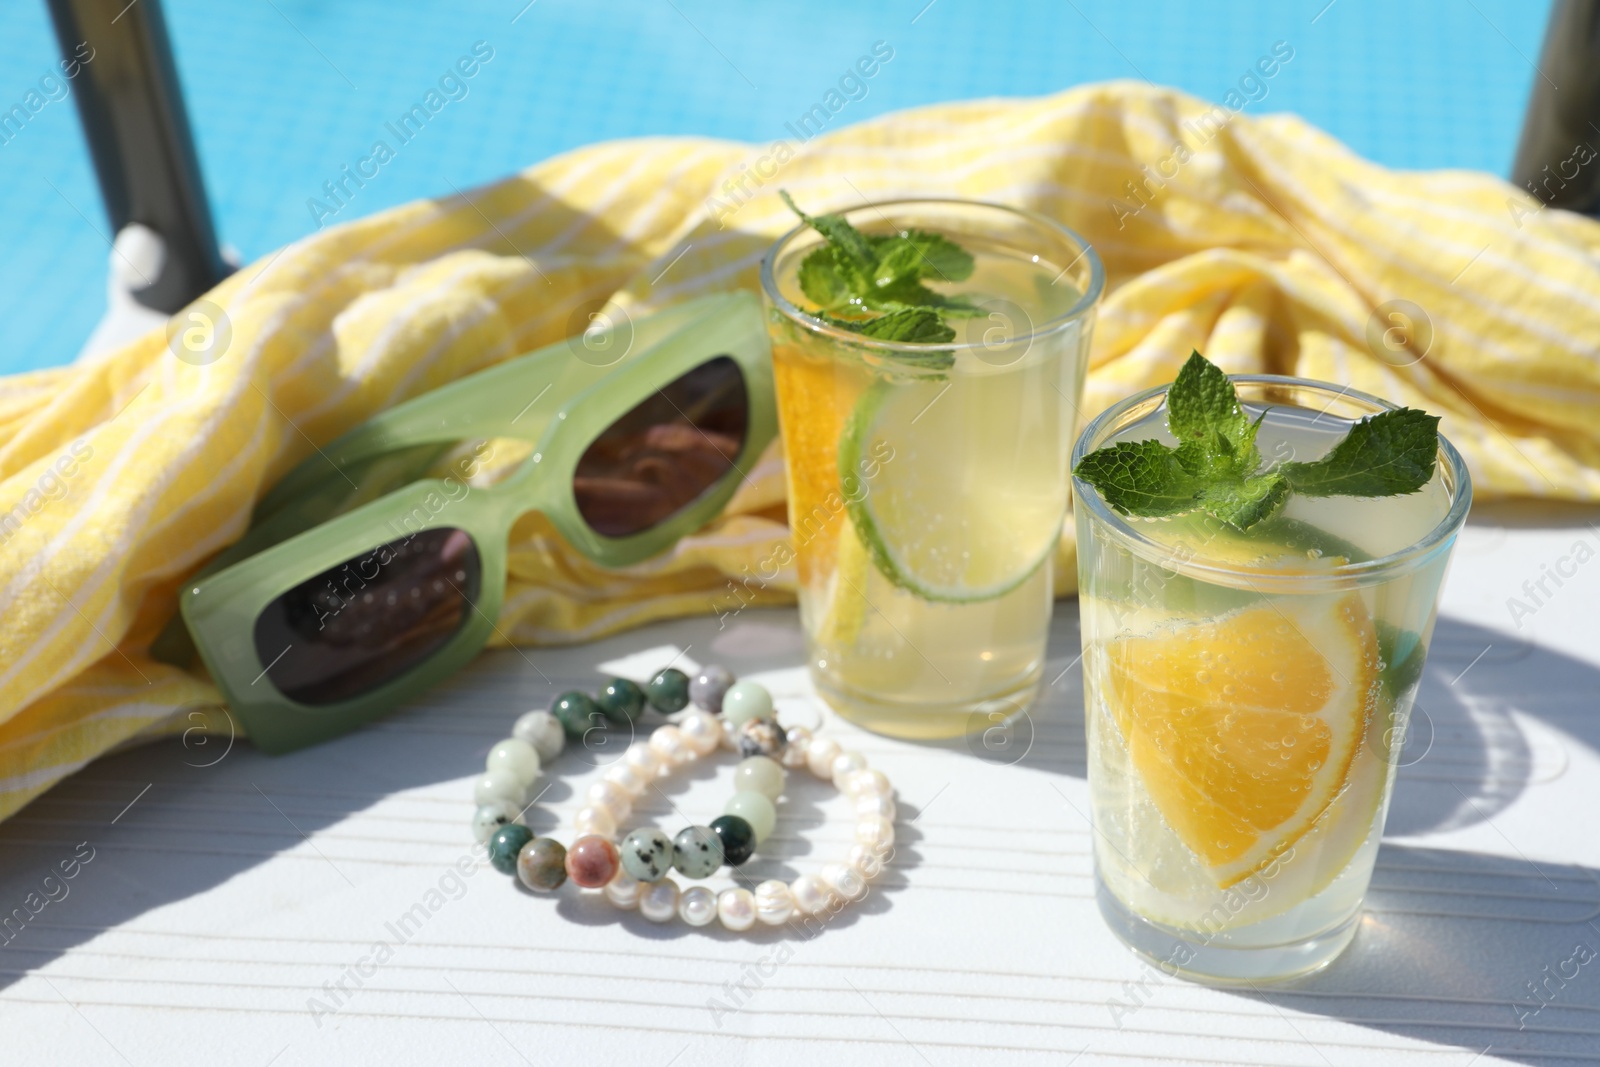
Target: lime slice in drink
[{"x": 950, "y": 501}]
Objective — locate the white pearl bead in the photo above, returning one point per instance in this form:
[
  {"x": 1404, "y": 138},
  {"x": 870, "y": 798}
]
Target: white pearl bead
[
  {"x": 500, "y": 784},
  {"x": 794, "y": 750},
  {"x": 490, "y": 817},
  {"x": 543, "y": 731},
  {"x": 820, "y": 754},
  {"x": 875, "y": 832},
  {"x": 875, "y": 806},
  {"x": 624, "y": 890},
  {"x": 659, "y": 901},
  {"x": 737, "y": 909},
  {"x": 868, "y": 782},
  {"x": 593, "y": 820},
  {"x": 627, "y": 778},
  {"x": 668, "y": 742},
  {"x": 844, "y": 765},
  {"x": 701, "y": 731},
  {"x": 697, "y": 906},
  {"x": 644, "y": 759},
  {"x": 774, "y": 902},
  {"x": 811, "y": 894},
  {"x": 612, "y": 797},
  {"x": 867, "y": 861},
  {"x": 843, "y": 879},
  {"x": 518, "y": 757}
]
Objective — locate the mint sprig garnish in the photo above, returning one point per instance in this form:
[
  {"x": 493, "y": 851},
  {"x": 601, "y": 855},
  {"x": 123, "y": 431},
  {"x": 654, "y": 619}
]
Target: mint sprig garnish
[
  {"x": 853, "y": 275},
  {"x": 1216, "y": 466}
]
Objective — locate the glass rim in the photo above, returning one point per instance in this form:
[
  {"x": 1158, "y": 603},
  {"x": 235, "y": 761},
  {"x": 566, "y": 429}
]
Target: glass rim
[
  {"x": 1085, "y": 302},
  {"x": 1340, "y": 576}
]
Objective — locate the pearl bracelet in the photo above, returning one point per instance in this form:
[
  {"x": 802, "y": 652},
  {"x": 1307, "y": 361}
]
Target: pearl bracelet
[
  {"x": 636, "y": 875},
  {"x": 775, "y": 902}
]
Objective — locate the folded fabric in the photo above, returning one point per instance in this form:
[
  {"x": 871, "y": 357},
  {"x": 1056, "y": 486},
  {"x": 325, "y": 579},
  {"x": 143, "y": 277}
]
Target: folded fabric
[{"x": 1260, "y": 241}]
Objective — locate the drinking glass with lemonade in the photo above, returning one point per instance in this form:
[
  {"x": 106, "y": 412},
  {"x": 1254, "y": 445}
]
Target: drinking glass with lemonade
[
  {"x": 1259, "y": 565},
  {"x": 929, "y": 359}
]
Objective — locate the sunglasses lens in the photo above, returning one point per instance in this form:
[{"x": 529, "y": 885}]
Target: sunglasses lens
[
  {"x": 660, "y": 456},
  {"x": 372, "y": 618}
]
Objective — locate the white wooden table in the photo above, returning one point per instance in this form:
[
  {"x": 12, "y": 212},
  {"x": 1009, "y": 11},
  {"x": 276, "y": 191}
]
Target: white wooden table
[{"x": 229, "y": 899}]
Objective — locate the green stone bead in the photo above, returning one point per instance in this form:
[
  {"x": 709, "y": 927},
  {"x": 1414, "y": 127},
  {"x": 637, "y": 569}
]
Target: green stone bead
[
  {"x": 577, "y": 712},
  {"x": 738, "y": 839},
  {"x": 504, "y": 845},
  {"x": 754, "y": 809},
  {"x": 669, "y": 691},
  {"x": 621, "y": 701},
  {"x": 746, "y": 701},
  {"x": 759, "y": 774},
  {"x": 542, "y": 864},
  {"x": 697, "y": 852}
]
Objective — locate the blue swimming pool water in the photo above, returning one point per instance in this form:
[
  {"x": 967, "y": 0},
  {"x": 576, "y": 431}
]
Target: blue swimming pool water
[{"x": 282, "y": 92}]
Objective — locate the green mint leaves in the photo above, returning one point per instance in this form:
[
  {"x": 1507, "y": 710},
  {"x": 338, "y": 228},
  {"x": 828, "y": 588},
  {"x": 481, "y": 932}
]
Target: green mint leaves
[
  {"x": 854, "y": 274},
  {"x": 1216, "y": 466}
]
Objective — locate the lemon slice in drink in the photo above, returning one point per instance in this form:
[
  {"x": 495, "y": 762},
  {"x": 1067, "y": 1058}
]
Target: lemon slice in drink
[
  {"x": 962, "y": 507},
  {"x": 1244, "y": 729}
]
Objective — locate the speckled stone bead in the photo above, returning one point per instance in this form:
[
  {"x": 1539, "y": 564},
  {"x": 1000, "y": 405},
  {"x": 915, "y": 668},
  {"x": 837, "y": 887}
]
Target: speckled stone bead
[
  {"x": 647, "y": 854},
  {"x": 708, "y": 688},
  {"x": 621, "y": 701},
  {"x": 577, "y": 713},
  {"x": 490, "y": 817},
  {"x": 542, "y": 865},
  {"x": 697, "y": 852},
  {"x": 762, "y": 737},
  {"x": 760, "y": 774},
  {"x": 668, "y": 691},
  {"x": 504, "y": 845},
  {"x": 592, "y": 861},
  {"x": 543, "y": 731},
  {"x": 738, "y": 839},
  {"x": 754, "y": 809},
  {"x": 746, "y": 701}
]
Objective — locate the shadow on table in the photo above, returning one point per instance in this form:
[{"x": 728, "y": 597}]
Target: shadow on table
[{"x": 1476, "y": 951}]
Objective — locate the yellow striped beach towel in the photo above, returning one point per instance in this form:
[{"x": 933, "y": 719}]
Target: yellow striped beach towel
[{"x": 1259, "y": 241}]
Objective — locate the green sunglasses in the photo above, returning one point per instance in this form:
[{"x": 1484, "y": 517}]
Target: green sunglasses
[{"x": 362, "y": 582}]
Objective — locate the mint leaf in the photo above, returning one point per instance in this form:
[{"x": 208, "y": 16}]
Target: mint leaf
[
  {"x": 942, "y": 258},
  {"x": 821, "y": 282},
  {"x": 1215, "y": 464},
  {"x": 1202, "y": 406},
  {"x": 1141, "y": 478},
  {"x": 884, "y": 272},
  {"x": 911, "y": 325},
  {"x": 853, "y": 257},
  {"x": 1383, "y": 455},
  {"x": 1245, "y": 503}
]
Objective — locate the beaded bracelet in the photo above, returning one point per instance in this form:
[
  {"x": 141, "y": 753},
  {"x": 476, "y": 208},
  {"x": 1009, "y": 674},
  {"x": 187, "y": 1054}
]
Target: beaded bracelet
[{"x": 636, "y": 876}]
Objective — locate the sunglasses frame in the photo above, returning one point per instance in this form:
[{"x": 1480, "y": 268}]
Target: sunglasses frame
[{"x": 553, "y": 398}]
